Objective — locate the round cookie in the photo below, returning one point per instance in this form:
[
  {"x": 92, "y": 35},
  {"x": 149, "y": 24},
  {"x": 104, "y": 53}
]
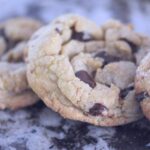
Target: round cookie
[
  {"x": 14, "y": 89},
  {"x": 142, "y": 85},
  {"x": 86, "y": 72}
]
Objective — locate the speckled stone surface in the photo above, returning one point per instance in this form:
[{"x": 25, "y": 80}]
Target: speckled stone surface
[{"x": 37, "y": 127}]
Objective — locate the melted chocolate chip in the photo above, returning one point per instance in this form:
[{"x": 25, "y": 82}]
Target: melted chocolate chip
[
  {"x": 124, "y": 92},
  {"x": 94, "y": 74},
  {"x": 85, "y": 77},
  {"x": 80, "y": 36},
  {"x": 57, "y": 30},
  {"x": 97, "y": 109},
  {"x": 108, "y": 85},
  {"x": 2, "y": 33},
  {"x": 141, "y": 96},
  {"x": 133, "y": 46},
  {"x": 107, "y": 58}
]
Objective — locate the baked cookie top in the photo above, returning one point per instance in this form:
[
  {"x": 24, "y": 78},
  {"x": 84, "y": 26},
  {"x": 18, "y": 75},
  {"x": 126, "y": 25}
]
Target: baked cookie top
[
  {"x": 14, "y": 88},
  {"x": 86, "y": 72}
]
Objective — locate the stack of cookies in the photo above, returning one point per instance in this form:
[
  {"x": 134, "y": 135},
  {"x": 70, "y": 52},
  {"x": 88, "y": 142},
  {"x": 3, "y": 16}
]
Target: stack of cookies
[
  {"x": 99, "y": 75},
  {"x": 14, "y": 89}
]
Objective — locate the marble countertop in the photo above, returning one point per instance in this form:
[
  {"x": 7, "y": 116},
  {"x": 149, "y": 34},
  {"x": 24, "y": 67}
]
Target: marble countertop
[{"x": 39, "y": 128}]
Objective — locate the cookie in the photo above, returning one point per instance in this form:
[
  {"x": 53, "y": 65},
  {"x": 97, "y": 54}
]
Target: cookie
[
  {"x": 143, "y": 86},
  {"x": 85, "y": 72},
  {"x": 14, "y": 89}
]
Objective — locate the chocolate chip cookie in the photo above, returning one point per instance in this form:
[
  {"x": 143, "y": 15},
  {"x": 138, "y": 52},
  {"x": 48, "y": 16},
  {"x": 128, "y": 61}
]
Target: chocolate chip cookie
[
  {"x": 14, "y": 89},
  {"x": 142, "y": 84},
  {"x": 86, "y": 72}
]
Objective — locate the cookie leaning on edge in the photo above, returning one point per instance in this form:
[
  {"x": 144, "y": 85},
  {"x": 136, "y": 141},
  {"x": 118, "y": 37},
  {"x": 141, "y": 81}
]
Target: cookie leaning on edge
[
  {"x": 142, "y": 84},
  {"x": 85, "y": 72},
  {"x": 14, "y": 89}
]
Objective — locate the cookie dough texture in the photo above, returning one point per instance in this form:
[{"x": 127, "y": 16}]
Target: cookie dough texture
[
  {"x": 14, "y": 89},
  {"x": 142, "y": 84},
  {"x": 86, "y": 72}
]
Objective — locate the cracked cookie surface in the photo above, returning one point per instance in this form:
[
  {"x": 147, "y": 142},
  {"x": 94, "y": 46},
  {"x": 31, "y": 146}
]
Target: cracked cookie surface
[
  {"x": 14, "y": 89},
  {"x": 86, "y": 72}
]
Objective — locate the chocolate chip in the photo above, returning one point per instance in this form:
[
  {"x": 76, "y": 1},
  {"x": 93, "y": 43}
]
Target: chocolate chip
[
  {"x": 2, "y": 33},
  {"x": 141, "y": 96},
  {"x": 85, "y": 77},
  {"x": 107, "y": 58},
  {"x": 124, "y": 92},
  {"x": 80, "y": 36},
  {"x": 108, "y": 85},
  {"x": 133, "y": 46},
  {"x": 57, "y": 30},
  {"x": 97, "y": 109},
  {"x": 93, "y": 74}
]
